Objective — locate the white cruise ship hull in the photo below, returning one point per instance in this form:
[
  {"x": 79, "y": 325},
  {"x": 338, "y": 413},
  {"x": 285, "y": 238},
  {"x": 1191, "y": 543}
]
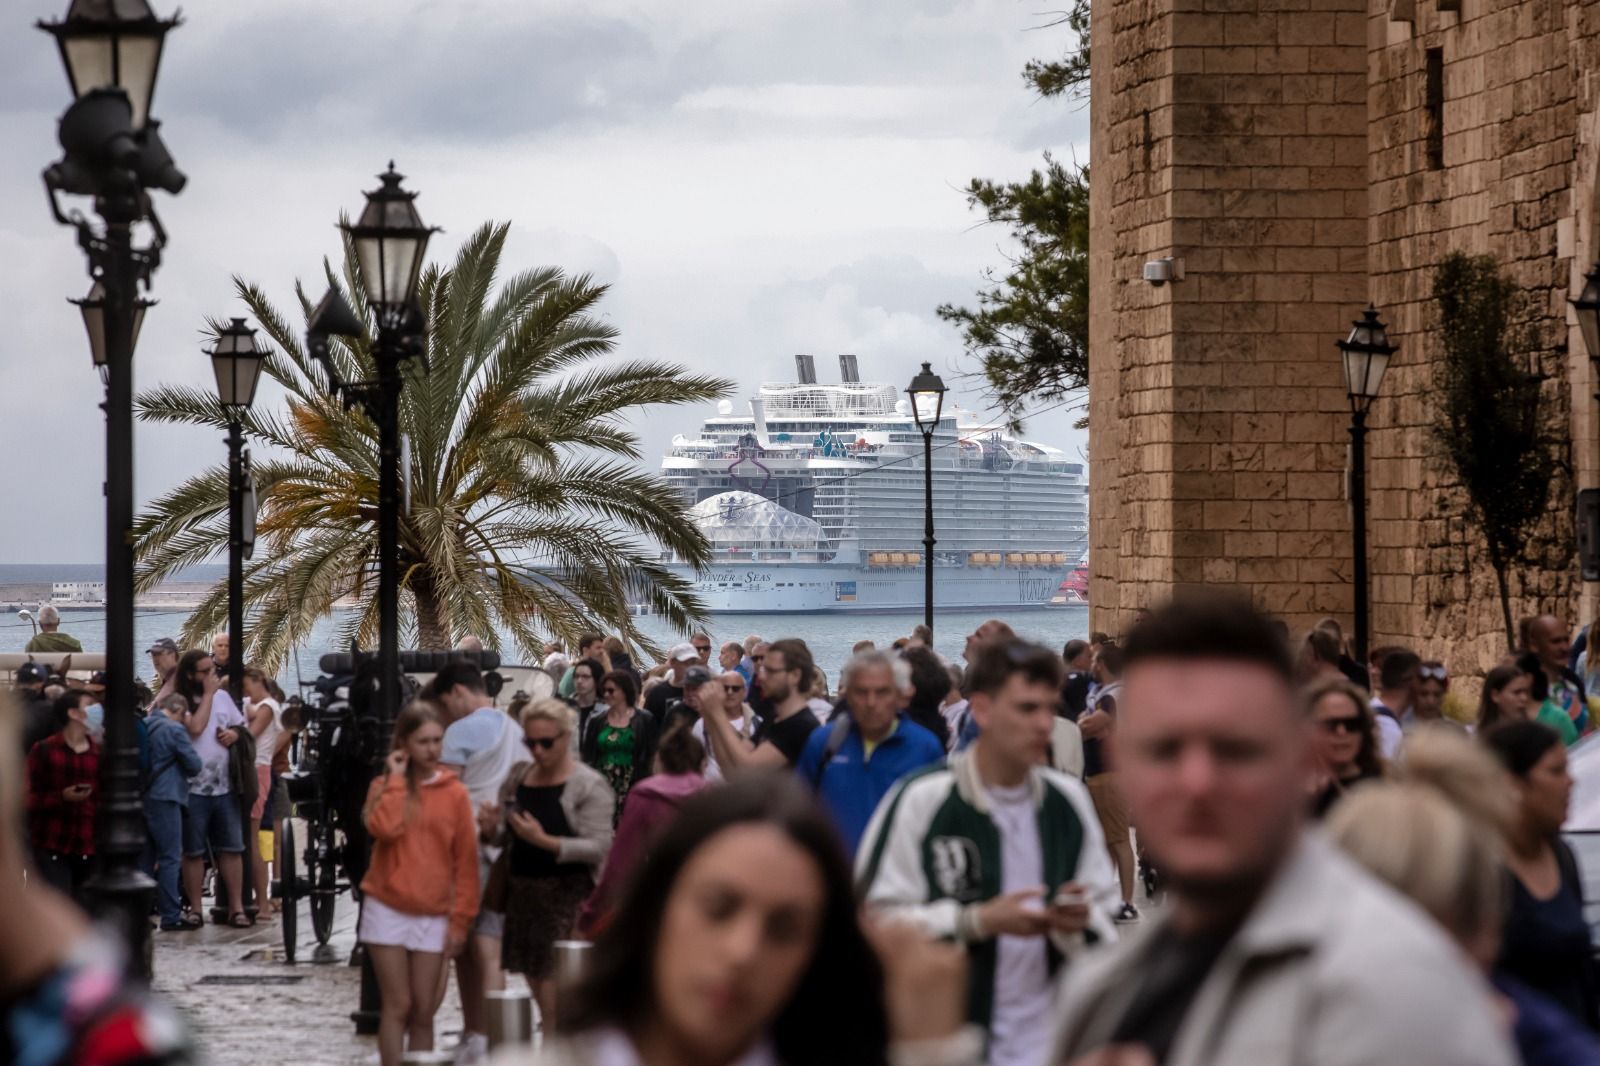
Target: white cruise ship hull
[{"x": 752, "y": 588}]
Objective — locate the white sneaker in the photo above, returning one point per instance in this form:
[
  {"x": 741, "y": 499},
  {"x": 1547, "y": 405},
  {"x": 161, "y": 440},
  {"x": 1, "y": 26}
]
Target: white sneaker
[{"x": 474, "y": 1048}]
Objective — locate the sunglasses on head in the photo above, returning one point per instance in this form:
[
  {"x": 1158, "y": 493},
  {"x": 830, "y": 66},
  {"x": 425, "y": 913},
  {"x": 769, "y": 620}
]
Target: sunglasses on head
[
  {"x": 540, "y": 742},
  {"x": 1351, "y": 724},
  {"x": 1436, "y": 672},
  {"x": 757, "y": 658}
]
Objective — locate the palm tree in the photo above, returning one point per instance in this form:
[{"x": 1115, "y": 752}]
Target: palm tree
[{"x": 525, "y": 514}]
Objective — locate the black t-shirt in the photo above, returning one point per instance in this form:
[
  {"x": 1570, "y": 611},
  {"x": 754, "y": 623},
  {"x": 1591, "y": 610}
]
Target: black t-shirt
[
  {"x": 678, "y": 711},
  {"x": 658, "y": 698},
  {"x": 1175, "y": 968},
  {"x": 1094, "y": 760},
  {"x": 788, "y": 736}
]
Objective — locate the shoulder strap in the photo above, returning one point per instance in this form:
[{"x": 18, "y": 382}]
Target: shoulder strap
[{"x": 838, "y": 730}]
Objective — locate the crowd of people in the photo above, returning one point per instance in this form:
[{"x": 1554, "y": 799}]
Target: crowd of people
[{"x": 934, "y": 863}]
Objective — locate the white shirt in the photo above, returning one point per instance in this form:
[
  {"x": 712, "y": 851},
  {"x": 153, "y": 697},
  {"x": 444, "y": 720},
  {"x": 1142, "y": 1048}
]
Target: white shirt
[
  {"x": 213, "y": 778},
  {"x": 1390, "y": 735},
  {"x": 486, "y": 744},
  {"x": 741, "y": 725},
  {"x": 1020, "y": 1026},
  {"x": 267, "y": 742}
]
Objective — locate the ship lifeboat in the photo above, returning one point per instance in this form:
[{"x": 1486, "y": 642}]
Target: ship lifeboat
[
  {"x": 1031, "y": 558},
  {"x": 878, "y": 559},
  {"x": 977, "y": 559},
  {"x": 897, "y": 558},
  {"x": 1014, "y": 559},
  {"x": 913, "y": 558},
  {"x": 1058, "y": 558}
]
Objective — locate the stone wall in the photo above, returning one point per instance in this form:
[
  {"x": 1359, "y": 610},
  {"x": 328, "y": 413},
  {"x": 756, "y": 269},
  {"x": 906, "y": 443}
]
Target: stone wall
[
  {"x": 1231, "y": 135},
  {"x": 1301, "y": 159}
]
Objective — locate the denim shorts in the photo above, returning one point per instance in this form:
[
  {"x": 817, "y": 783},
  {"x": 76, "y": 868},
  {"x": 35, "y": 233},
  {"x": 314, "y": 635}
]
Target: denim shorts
[{"x": 214, "y": 819}]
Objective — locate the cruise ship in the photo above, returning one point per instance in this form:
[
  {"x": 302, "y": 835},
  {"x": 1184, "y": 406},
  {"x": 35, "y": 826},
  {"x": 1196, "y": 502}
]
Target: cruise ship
[{"x": 813, "y": 502}]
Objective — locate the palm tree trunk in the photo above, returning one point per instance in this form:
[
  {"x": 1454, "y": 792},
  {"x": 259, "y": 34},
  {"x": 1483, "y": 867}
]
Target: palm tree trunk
[{"x": 432, "y": 632}]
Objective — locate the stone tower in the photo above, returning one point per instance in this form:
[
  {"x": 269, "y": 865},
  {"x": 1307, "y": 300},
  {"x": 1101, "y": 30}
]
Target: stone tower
[{"x": 1301, "y": 158}]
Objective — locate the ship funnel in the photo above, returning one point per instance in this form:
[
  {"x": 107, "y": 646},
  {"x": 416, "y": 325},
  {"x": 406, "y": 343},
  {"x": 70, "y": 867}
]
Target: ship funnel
[
  {"x": 758, "y": 411},
  {"x": 849, "y": 371},
  {"x": 805, "y": 368}
]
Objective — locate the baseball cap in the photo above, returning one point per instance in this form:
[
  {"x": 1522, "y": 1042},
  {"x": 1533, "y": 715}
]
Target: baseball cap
[
  {"x": 164, "y": 644},
  {"x": 32, "y": 673},
  {"x": 683, "y": 653}
]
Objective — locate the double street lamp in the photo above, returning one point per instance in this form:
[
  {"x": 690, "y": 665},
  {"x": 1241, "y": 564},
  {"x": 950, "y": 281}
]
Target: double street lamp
[
  {"x": 927, "y": 405},
  {"x": 1366, "y": 354},
  {"x": 113, "y": 154},
  {"x": 390, "y": 242}
]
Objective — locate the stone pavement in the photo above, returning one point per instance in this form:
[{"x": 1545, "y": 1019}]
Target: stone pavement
[{"x": 248, "y": 1007}]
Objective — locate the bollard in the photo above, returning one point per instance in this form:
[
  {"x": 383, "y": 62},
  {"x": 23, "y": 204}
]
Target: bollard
[
  {"x": 572, "y": 960},
  {"x": 508, "y": 1017}
]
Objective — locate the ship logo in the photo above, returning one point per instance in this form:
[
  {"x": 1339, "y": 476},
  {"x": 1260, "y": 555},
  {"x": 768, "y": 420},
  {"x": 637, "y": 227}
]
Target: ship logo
[{"x": 844, "y": 591}]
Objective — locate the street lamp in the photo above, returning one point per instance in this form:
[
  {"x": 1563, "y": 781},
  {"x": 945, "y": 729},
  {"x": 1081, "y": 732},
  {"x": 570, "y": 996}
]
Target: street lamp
[
  {"x": 390, "y": 243},
  {"x": 927, "y": 395},
  {"x": 93, "y": 309},
  {"x": 236, "y": 361},
  {"x": 113, "y": 154},
  {"x": 1586, "y": 305},
  {"x": 1366, "y": 354}
]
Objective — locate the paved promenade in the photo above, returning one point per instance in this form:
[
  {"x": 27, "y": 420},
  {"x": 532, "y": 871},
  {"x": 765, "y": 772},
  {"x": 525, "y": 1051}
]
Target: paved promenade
[{"x": 248, "y": 1007}]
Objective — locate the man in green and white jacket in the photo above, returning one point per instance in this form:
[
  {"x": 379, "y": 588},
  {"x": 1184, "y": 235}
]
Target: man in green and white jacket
[{"x": 998, "y": 852}]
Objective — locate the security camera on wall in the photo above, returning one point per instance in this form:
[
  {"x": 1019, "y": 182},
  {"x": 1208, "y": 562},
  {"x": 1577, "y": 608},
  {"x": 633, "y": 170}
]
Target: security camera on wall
[{"x": 1160, "y": 271}]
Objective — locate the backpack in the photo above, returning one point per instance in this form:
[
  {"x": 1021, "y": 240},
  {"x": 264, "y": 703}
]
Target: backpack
[{"x": 838, "y": 731}]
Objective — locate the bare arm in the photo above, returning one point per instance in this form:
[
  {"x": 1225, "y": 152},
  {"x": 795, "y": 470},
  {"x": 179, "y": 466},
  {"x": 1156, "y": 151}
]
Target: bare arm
[
  {"x": 200, "y": 717},
  {"x": 260, "y": 718}
]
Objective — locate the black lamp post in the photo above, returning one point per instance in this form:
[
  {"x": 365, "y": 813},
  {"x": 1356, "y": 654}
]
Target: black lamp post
[
  {"x": 390, "y": 241},
  {"x": 1586, "y": 305},
  {"x": 927, "y": 394},
  {"x": 1366, "y": 355},
  {"x": 236, "y": 360},
  {"x": 113, "y": 153}
]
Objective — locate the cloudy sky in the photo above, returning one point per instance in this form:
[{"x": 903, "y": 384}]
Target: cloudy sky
[{"x": 754, "y": 178}]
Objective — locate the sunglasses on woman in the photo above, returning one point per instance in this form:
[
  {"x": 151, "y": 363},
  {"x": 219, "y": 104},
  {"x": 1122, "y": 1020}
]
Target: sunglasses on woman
[
  {"x": 1353, "y": 724},
  {"x": 540, "y": 742},
  {"x": 1436, "y": 672},
  {"x": 609, "y": 690}
]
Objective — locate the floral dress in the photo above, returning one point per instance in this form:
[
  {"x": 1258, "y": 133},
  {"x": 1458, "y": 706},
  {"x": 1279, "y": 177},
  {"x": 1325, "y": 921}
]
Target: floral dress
[{"x": 616, "y": 762}]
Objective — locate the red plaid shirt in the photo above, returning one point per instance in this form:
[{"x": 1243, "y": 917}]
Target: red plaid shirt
[{"x": 55, "y": 823}]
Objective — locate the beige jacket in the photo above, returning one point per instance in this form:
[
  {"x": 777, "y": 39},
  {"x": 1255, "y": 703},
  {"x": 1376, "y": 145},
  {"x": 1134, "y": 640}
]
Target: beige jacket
[
  {"x": 1331, "y": 967},
  {"x": 587, "y": 801}
]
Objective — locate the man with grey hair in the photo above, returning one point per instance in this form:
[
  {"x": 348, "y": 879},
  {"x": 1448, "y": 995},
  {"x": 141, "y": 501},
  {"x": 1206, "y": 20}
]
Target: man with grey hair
[
  {"x": 50, "y": 638},
  {"x": 858, "y": 757}
]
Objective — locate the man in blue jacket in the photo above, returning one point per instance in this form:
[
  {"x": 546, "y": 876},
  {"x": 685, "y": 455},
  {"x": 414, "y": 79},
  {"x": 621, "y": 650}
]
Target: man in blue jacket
[{"x": 855, "y": 759}]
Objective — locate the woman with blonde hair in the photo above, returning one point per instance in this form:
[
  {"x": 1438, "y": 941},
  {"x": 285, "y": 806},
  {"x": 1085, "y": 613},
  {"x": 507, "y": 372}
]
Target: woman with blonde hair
[
  {"x": 556, "y": 814},
  {"x": 1346, "y": 741},
  {"x": 421, "y": 890},
  {"x": 1437, "y": 835}
]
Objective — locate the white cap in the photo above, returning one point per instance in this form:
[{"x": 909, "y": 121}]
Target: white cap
[{"x": 683, "y": 653}]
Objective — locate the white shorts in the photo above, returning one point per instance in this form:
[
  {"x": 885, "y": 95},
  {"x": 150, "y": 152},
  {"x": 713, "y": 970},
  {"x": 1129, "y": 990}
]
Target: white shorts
[{"x": 388, "y": 927}]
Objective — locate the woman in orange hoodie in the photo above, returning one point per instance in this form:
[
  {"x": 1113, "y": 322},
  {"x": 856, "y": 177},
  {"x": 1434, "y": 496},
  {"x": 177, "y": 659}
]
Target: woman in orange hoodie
[{"x": 421, "y": 889}]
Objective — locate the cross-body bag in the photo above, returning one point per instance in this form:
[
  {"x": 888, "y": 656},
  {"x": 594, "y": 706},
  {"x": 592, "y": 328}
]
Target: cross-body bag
[{"x": 838, "y": 730}]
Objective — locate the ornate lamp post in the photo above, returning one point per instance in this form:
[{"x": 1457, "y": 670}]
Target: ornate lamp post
[
  {"x": 236, "y": 360},
  {"x": 390, "y": 241},
  {"x": 113, "y": 153},
  {"x": 1586, "y": 305},
  {"x": 927, "y": 404},
  {"x": 1366, "y": 353}
]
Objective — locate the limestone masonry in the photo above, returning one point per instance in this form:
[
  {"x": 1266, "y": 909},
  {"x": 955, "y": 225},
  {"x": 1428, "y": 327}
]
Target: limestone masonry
[{"x": 1302, "y": 158}]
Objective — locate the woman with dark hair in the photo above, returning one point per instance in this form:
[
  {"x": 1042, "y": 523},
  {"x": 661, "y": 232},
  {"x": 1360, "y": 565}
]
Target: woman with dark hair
[
  {"x": 1346, "y": 741},
  {"x": 621, "y": 741},
  {"x": 587, "y": 674},
  {"x": 1546, "y": 943},
  {"x": 1541, "y": 708},
  {"x": 930, "y": 684},
  {"x": 738, "y": 942},
  {"x": 213, "y": 815},
  {"x": 1506, "y": 697},
  {"x": 420, "y": 893},
  {"x": 678, "y": 774}
]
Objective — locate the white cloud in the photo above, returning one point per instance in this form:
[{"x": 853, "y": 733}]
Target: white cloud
[{"x": 754, "y": 177}]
